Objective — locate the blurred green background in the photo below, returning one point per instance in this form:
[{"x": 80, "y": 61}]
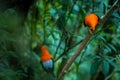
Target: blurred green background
[{"x": 59, "y": 24}]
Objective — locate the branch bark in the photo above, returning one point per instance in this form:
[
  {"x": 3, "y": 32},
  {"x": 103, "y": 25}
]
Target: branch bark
[{"x": 85, "y": 41}]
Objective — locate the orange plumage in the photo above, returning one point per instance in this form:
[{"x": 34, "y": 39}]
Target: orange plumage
[
  {"x": 91, "y": 21},
  {"x": 45, "y": 56}
]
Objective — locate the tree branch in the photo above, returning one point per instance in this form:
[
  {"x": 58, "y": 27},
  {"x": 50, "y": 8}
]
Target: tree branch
[
  {"x": 85, "y": 41},
  {"x": 111, "y": 10},
  {"x": 81, "y": 47}
]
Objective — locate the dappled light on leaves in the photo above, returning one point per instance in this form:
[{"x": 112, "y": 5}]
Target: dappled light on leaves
[{"x": 47, "y": 40}]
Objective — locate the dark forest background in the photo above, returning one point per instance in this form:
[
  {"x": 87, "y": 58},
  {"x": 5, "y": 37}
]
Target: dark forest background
[{"x": 59, "y": 24}]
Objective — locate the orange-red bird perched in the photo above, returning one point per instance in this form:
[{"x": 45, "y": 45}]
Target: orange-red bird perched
[
  {"x": 46, "y": 59},
  {"x": 91, "y": 21}
]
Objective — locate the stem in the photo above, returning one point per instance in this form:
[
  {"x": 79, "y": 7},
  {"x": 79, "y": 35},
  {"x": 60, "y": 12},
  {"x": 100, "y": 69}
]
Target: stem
[
  {"x": 97, "y": 73},
  {"x": 44, "y": 24},
  {"x": 109, "y": 76}
]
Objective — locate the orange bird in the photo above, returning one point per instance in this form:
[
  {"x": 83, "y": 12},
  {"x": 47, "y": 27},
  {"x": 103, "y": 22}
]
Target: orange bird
[
  {"x": 46, "y": 59},
  {"x": 91, "y": 21}
]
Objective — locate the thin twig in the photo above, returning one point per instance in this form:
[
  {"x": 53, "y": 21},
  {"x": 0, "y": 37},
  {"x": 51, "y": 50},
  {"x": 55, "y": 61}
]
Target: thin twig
[
  {"x": 64, "y": 30},
  {"x": 114, "y": 7},
  {"x": 109, "y": 76},
  {"x": 68, "y": 50},
  {"x": 44, "y": 25},
  {"x": 98, "y": 32},
  {"x": 85, "y": 41}
]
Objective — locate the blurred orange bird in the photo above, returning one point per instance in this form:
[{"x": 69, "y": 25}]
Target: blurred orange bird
[
  {"x": 46, "y": 59},
  {"x": 91, "y": 21}
]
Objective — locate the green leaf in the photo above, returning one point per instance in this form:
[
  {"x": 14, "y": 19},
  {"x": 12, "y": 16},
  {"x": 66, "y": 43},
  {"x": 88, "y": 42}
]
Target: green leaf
[
  {"x": 112, "y": 28},
  {"x": 102, "y": 38},
  {"x": 111, "y": 62},
  {"x": 94, "y": 67},
  {"x": 108, "y": 48},
  {"x": 92, "y": 57},
  {"x": 105, "y": 68},
  {"x": 82, "y": 13},
  {"x": 112, "y": 47}
]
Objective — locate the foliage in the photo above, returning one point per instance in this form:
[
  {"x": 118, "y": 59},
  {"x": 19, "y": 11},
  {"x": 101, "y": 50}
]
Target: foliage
[{"x": 59, "y": 24}]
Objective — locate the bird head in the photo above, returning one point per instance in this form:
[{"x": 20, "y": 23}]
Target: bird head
[
  {"x": 46, "y": 60},
  {"x": 45, "y": 56}
]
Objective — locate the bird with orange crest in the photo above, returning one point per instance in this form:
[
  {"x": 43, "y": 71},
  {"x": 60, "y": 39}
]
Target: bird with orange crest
[{"x": 46, "y": 60}]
